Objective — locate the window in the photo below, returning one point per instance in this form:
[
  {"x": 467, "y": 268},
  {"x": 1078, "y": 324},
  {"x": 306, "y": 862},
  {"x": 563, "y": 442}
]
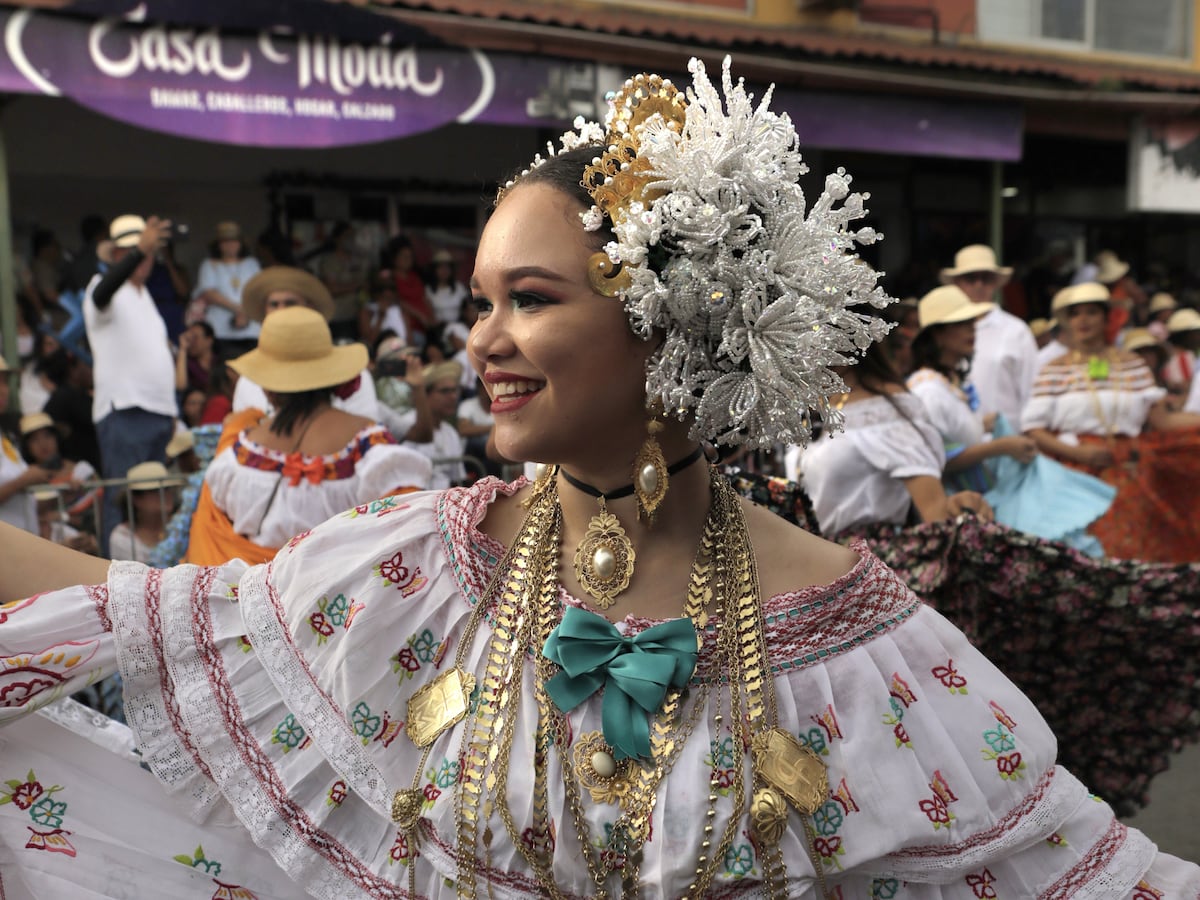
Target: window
[{"x": 1147, "y": 27}]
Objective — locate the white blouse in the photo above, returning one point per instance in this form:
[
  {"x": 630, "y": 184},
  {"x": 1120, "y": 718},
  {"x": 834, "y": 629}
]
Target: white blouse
[
  {"x": 855, "y": 478},
  {"x": 948, "y": 409},
  {"x": 271, "y": 496},
  {"x": 272, "y": 703},
  {"x": 1066, "y": 401}
]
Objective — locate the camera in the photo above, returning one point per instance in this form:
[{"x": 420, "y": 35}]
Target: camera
[{"x": 391, "y": 368}]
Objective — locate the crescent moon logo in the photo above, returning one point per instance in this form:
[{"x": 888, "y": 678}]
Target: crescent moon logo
[
  {"x": 13, "y": 32},
  {"x": 487, "y": 88}
]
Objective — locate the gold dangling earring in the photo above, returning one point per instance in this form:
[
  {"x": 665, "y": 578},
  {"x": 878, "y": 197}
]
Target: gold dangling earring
[{"x": 650, "y": 474}]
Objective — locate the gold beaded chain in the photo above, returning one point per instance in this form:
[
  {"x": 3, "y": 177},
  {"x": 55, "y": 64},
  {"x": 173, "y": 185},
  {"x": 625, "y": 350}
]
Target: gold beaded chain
[{"x": 526, "y": 610}]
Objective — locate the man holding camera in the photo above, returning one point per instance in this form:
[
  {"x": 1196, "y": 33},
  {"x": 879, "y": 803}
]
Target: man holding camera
[{"x": 134, "y": 373}]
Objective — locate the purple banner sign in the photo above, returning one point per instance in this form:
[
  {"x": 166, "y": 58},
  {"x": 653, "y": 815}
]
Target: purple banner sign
[{"x": 281, "y": 89}]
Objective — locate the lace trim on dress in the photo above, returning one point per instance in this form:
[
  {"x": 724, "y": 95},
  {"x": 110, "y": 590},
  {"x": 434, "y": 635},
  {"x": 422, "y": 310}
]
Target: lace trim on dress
[
  {"x": 1056, "y": 795},
  {"x": 1112, "y": 868},
  {"x": 298, "y": 466}
]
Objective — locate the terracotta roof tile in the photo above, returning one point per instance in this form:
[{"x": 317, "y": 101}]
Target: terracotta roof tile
[{"x": 892, "y": 48}]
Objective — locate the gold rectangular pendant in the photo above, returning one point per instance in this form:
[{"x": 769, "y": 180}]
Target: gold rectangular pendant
[{"x": 439, "y": 705}]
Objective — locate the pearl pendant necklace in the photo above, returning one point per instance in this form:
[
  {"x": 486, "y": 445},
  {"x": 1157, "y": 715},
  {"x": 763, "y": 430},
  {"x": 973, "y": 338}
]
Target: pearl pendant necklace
[{"x": 604, "y": 558}]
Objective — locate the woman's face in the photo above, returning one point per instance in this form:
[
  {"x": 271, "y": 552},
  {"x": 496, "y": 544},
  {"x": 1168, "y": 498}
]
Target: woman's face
[
  {"x": 230, "y": 249},
  {"x": 403, "y": 260},
  {"x": 565, "y": 373},
  {"x": 956, "y": 341},
  {"x": 443, "y": 399},
  {"x": 198, "y": 341},
  {"x": 1086, "y": 323},
  {"x": 43, "y": 444},
  {"x": 193, "y": 407}
]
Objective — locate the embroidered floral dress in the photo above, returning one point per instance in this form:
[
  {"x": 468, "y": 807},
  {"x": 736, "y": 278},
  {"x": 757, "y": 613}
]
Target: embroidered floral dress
[
  {"x": 275, "y": 697},
  {"x": 1156, "y": 473},
  {"x": 1106, "y": 649},
  {"x": 271, "y": 496}
]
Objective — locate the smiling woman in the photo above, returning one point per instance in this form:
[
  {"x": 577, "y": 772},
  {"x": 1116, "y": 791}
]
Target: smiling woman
[{"x": 620, "y": 679}]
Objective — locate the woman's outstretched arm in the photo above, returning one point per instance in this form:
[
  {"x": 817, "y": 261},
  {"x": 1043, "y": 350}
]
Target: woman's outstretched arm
[{"x": 30, "y": 565}]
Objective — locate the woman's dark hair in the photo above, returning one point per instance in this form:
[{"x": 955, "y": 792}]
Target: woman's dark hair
[
  {"x": 291, "y": 408},
  {"x": 206, "y": 328},
  {"x": 388, "y": 254},
  {"x": 565, "y": 173},
  {"x": 927, "y": 355}
]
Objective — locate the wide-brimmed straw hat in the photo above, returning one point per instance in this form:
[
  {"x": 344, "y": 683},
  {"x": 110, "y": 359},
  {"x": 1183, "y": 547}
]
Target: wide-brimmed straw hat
[
  {"x": 976, "y": 258},
  {"x": 228, "y": 231},
  {"x": 285, "y": 278},
  {"x": 1041, "y": 326},
  {"x": 1110, "y": 267},
  {"x": 1140, "y": 339},
  {"x": 296, "y": 353},
  {"x": 1161, "y": 302},
  {"x": 125, "y": 231},
  {"x": 1077, "y": 294},
  {"x": 442, "y": 371},
  {"x": 1183, "y": 320},
  {"x": 948, "y": 304},
  {"x": 149, "y": 476},
  {"x": 35, "y": 422},
  {"x": 181, "y": 442}
]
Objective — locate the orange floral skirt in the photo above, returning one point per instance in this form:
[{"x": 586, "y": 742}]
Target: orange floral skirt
[{"x": 1156, "y": 513}]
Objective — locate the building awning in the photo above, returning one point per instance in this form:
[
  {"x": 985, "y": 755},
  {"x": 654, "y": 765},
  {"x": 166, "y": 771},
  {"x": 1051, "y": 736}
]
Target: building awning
[{"x": 286, "y": 88}]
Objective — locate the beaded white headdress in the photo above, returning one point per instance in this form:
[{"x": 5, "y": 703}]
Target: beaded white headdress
[{"x": 716, "y": 250}]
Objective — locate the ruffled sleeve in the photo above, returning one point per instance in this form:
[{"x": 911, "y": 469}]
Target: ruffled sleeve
[
  {"x": 391, "y": 468},
  {"x": 905, "y": 449},
  {"x": 52, "y": 645}
]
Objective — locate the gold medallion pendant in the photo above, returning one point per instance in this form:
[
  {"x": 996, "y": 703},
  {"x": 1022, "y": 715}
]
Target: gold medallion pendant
[
  {"x": 439, "y": 705},
  {"x": 598, "y": 771},
  {"x": 604, "y": 558}
]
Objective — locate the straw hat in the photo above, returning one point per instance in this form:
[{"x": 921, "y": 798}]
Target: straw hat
[
  {"x": 1110, "y": 267},
  {"x": 1041, "y": 326},
  {"x": 1088, "y": 292},
  {"x": 1140, "y": 339},
  {"x": 1183, "y": 320},
  {"x": 181, "y": 442},
  {"x": 35, "y": 422},
  {"x": 149, "y": 476},
  {"x": 443, "y": 371},
  {"x": 443, "y": 257},
  {"x": 295, "y": 353},
  {"x": 976, "y": 258},
  {"x": 1161, "y": 302},
  {"x": 4, "y": 365},
  {"x": 125, "y": 231},
  {"x": 229, "y": 231},
  {"x": 949, "y": 304},
  {"x": 285, "y": 278},
  {"x": 393, "y": 346}
]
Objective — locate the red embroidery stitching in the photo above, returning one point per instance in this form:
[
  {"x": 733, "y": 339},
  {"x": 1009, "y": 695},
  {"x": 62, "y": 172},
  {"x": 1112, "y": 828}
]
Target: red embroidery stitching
[
  {"x": 1005, "y": 825},
  {"x": 260, "y": 765},
  {"x": 1097, "y": 858},
  {"x": 98, "y": 594}
]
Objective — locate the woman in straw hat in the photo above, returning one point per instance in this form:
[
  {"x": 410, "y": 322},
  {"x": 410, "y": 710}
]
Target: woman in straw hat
[
  {"x": 219, "y": 286},
  {"x": 277, "y": 477},
  {"x": 620, "y": 679},
  {"x": 40, "y": 446},
  {"x": 282, "y": 287},
  {"x": 17, "y": 506},
  {"x": 1183, "y": 343},
  {"x": 148, "y": 502},
  {"x": 1100, "y": 409},
  {"x": 986, "y": 453}
]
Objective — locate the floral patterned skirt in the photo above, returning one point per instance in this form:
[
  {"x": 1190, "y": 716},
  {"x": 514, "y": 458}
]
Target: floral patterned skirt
[{"x": 1108, "y": 650}]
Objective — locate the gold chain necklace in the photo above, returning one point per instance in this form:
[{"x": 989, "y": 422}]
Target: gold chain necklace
[{"x": 528, "y": 605}]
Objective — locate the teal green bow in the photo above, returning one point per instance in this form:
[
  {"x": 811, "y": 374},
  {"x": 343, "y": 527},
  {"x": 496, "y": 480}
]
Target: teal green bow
[{"x": 634, "y": 671}]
